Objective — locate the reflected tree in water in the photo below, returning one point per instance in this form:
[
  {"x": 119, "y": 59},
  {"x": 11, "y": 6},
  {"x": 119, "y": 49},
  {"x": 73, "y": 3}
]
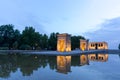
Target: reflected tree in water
[
  {"x": 9, "y": 63},
  {"x": 27, "y": 64},
  {"x": 52, "y": 62}
]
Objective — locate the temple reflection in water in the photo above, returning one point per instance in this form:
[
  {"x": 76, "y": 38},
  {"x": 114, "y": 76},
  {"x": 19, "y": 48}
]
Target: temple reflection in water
[
  {"x": 64, "y": 62},
  {"x": 84, "y": 60},
  {"x": 27, "y": 64},
  {"x": 98, "y": 57}
]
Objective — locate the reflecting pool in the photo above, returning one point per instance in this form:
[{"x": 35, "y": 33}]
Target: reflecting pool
[{"x": 100, "y": 66}]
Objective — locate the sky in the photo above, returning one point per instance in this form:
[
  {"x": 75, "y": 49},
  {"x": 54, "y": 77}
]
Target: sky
[{"x": 97, "y": 20}]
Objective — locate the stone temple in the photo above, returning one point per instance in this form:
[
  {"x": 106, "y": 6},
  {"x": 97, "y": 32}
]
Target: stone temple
[
  {"x": 86, "y": 45},
  {"x": 63, "y": 42}
]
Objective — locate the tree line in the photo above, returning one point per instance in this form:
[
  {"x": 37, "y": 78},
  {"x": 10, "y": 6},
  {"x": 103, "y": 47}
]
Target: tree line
[
  {"x": 29, "y": 39},
  {"x": 11, "y": 62}
]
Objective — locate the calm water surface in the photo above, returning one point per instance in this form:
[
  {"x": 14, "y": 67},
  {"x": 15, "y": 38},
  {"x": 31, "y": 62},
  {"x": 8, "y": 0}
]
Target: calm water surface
[{"x": 39, "y": 67}]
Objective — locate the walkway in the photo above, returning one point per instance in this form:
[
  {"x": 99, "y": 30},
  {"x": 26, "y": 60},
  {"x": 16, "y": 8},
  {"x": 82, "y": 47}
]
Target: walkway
[{"x": 74, "y": 52}]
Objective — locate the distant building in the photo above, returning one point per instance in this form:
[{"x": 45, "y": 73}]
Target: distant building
[
  {"x": 98, "y": 45},
  {"x": 86, "y": 45}
]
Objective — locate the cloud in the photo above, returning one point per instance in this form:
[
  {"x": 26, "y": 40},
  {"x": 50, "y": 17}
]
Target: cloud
[{"x": 109, "y": 32}]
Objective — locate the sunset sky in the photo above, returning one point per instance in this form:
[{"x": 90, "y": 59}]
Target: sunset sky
[{"x": 98, "y": 20}]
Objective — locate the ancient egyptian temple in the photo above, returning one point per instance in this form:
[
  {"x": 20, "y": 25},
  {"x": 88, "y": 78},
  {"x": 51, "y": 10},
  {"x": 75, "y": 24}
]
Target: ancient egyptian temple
[
  {"x": 86, "y": 45},
  {"x": 64, "y": 42}
]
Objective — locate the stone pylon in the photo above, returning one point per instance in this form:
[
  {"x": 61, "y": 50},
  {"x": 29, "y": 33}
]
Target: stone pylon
[
  {"x": 63, "y": 42},
  {"x": 84, "y": 44}
]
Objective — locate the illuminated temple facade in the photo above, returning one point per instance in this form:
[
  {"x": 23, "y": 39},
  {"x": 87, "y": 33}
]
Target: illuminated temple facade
[
  {"x": 63, "y": 42},
  {"x": 98, "y": 45},
  {"x": 86, "y": 45}
]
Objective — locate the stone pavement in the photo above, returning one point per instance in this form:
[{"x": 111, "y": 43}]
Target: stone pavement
[{"x": 74, "y": 52}]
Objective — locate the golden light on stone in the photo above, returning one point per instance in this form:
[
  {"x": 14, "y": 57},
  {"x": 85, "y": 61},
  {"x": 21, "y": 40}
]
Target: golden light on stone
[
  {"x": 86, "y": 45},
  {"x": 98, "y": 45},
  {"x": 63, "y": 42},
  {"x": 83, "y": 44},
  {"x": 83, "y": 47},
  {"x": 61, "y": 45}
]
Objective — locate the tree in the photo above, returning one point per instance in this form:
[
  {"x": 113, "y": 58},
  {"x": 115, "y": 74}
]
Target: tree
[
  {"x": 11, "y": 38},
  {"x": 15, "y": 45},
  {"x": 44, "y": 41},
  {"x": 52, "y": 41},
  {"x": 75, "y": 41},
  {"x": 30, "y": 38},
  {"x": 8, "y": 35},
  {"x": 16, "y": 39}
]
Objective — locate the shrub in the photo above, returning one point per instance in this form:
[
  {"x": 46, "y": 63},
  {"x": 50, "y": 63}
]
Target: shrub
[
  {"x": 4, "y": 48},
  {"x": 25, "y": 47}
]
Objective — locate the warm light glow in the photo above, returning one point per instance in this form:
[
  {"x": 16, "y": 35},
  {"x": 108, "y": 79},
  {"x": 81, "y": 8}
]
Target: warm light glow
[
  {"x": 68, "y": 48},
  {"x": 83, "y": 59},
  {"x": 98, "y": 57},
  {"x": 92, "y": 57},
  {"x": 61, "y": 45},
  {"x": 63, "y": 63},
  {"x": 98, "y": 45},
  {"x": 83, "y": 47}
]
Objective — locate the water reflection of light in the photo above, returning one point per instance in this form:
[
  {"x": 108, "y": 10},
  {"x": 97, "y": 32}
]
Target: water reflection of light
[
  {"x": 98, "y": 57},
  {"x": 84, "y": 59},
  {"x": 64, "y": 64}
]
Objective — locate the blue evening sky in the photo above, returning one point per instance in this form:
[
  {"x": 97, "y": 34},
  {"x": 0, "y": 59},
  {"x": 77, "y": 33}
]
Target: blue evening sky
[{"x": 98, "y": 20}]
